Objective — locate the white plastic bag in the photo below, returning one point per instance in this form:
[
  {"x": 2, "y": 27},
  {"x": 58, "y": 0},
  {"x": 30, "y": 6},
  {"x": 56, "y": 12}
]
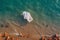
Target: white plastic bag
[{"x": 27, "y": 16}]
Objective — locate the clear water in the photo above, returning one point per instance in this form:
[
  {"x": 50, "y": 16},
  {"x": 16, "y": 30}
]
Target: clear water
[{"x": 41, "y": 10}]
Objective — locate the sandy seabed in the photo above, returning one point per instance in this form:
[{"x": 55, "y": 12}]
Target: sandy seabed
[{"x": 30, "y": 31}]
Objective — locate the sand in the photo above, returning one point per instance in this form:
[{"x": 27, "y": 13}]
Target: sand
[{"x": 31, "y": 31}]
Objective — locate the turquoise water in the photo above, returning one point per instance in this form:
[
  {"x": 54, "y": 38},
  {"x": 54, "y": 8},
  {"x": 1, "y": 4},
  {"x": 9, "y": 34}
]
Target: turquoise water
[{"x": 41, "y": 10}]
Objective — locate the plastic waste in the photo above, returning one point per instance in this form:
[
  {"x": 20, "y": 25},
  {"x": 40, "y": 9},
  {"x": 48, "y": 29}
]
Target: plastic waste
[{"x": 27, "y": 16}]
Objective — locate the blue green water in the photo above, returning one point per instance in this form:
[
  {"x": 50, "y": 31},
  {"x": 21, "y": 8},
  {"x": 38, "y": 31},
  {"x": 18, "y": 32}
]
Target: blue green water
[{"x": 45, "y": 10}]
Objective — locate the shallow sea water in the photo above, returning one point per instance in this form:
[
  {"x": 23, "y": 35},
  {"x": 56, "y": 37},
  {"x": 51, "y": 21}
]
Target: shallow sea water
[{"x": 41, "y": 10}]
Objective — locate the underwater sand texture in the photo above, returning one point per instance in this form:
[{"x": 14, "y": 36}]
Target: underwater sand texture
[{"x": 30, "y": 30}]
